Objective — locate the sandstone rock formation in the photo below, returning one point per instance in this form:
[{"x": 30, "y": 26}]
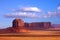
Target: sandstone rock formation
[
  {"x": 38, "y": 25},
  {"x": 18, "y": 25}
]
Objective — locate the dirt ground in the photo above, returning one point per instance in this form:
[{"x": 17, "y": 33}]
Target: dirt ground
[
  {"x": 39, "y": 37},
  {"x": 30, "y": 38}
]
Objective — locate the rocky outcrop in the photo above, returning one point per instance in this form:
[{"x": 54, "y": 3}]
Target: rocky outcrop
[
  {"x": 38, "y": 25},
  {"x": 18, "y": 26}
]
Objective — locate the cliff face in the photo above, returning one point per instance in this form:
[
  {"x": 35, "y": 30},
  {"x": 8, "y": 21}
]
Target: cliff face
[
  {"x": 38, "y": 25},
  {"x": 18, "y": 25}
]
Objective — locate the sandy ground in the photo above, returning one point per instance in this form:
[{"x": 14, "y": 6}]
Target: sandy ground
[
  {"x": 30, "y": 38},
  {"x": 41, "y": 35}
]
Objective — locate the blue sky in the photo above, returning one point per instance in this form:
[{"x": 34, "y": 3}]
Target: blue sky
[{"x": 45, "y": 7}]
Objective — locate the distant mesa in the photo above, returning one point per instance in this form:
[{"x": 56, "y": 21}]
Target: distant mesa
[{"x": 18, "y": 25}]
